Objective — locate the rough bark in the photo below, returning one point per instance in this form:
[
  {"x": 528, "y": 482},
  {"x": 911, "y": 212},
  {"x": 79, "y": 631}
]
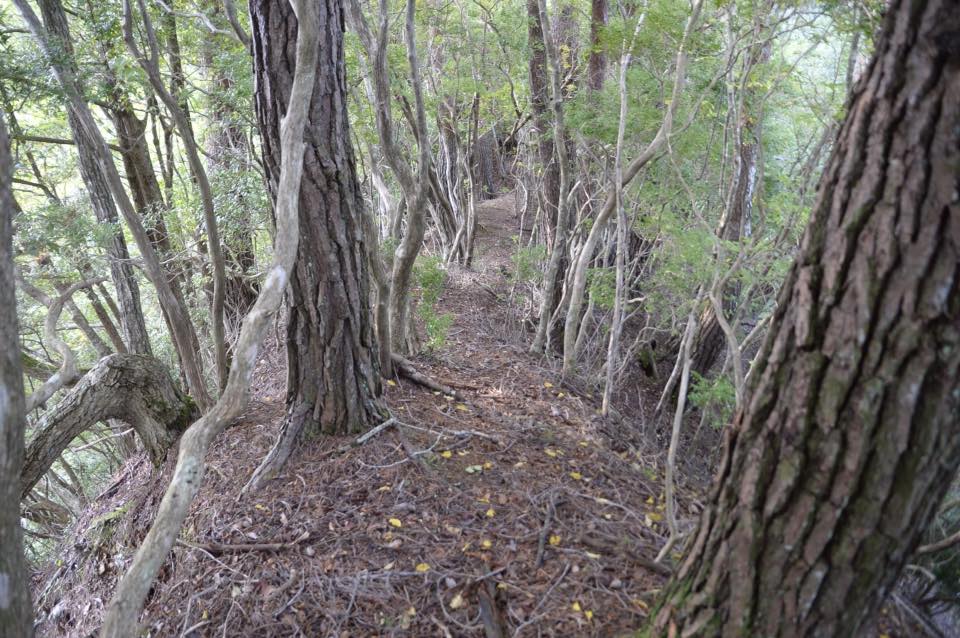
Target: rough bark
[
  {"x": 132, "y": 388},
  {"x": 121, "y": 270},
  {"x": 121, "y": 617},
  {"x": 333, "y": 370},
  {"x": 16, "y": 617},
  {"x": 850, "y": 436},
  {"x": 549, "y": 192}
]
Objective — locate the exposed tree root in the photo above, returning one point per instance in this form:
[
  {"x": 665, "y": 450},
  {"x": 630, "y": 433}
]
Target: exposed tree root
[
  {"x": 133, "y": 388},
  {"x": 405, "y": 368}
]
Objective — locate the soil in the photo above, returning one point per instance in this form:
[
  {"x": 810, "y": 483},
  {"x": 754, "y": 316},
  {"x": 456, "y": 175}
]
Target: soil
[{"x": 514, "y": 509}]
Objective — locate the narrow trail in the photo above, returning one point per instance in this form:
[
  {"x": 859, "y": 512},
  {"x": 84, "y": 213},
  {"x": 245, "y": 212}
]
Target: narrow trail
[{"x": 506, "y": 512}]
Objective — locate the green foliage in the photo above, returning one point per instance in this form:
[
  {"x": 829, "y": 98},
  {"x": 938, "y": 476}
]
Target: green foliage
[
  {"x": 716, "y": 396},
  {"x": 430, "y": 275},
  {"x": 602, "y": 284},
  {"x": 528, "y": 262}
]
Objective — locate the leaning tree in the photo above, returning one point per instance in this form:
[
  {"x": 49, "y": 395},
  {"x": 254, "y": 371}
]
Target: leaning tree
[{"x": 851, "y": 435}]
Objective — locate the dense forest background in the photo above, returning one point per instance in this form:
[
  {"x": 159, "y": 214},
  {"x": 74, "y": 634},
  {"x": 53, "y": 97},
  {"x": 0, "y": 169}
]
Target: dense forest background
[{"x": 624, "y": 187}]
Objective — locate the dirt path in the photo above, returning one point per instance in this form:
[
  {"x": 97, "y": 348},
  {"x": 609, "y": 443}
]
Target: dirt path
[{"x": 502, "y": 512}]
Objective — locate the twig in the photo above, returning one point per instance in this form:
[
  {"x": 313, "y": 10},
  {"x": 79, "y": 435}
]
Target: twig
[
  {"x": 219, "y": 548},
  {"x": 945, "y": 543},
  {"x": 545, "y": 531}
]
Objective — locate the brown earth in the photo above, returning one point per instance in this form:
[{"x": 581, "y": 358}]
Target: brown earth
[{"x": 513, "y": 510}]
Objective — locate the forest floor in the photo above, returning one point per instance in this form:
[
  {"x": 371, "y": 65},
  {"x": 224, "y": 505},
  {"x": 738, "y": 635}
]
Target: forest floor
[{"x": 510, "y": 509}]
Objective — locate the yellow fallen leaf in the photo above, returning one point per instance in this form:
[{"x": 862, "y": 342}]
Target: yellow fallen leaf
[
  {"x": 388, "y": 536},
  {"x": 491, "y": 513},
  {"x": 550, "y": 452},
  {"x": 391, "y": 383},
  {"x": 462, "y": 452},
  {"x": 456, "y": 602},
  {"x": 412, "y": 611},
  {"x": 262, "y": 508},
  {"x": 519, "y": 464},
  {"x": 389, "y": 566},
  {"x": 584, "y": 444},
  {"x": 446, "y": 454},
  {"x": 466, "y": 546},
  {"x": 655, "y": 516},
  {"x": 395, "y": 522},
  {"x": 576, "y": 476},
  {"x": 461, "y": 407},
  {"x": 422, "y": 567},
  {"x": 649, "y": 500},
  {"x": 575, "y": 606},
  {"x": 642, "y": 605},
  {"x": 488, "y": 465},
  {"x": 547, "y": 384},
  {"x": 502, "y": 585},
  {"x": 554, "y": 540},
  {"x": 484, "y": 499},
  {"x": 588, "y": 614},
  {"x": 384, "y": 488},
  {"x": 560, "y": 395},
  {"x": 486, "y": 544},
  {"x": 593, "y": 556}
]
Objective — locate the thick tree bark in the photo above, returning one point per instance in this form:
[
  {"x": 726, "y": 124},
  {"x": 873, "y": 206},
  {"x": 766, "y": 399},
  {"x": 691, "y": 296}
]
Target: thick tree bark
[
  {"x": 121, "y": 269},
  {"x": 135, "y": 389},
  {"x": 850, "y": 437},
  {"x": 549, "y": 192},
  {"x": 16, "y": 618},
  {"x": 333, "y": 376}
]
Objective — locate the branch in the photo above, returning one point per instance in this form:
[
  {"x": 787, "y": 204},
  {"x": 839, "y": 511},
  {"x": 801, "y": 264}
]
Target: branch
[{"x": 125, "y": 607}]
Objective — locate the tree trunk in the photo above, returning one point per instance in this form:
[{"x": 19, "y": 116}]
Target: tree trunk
[
  {"x": 597, "y": 64},
  {"x": 135, "y": 389},
  {"x": 121, "y": 270},
  {"x": 16, "y": 618},
  {"x": 333, "y": 376},
  {"x": 850, "y": 436}
]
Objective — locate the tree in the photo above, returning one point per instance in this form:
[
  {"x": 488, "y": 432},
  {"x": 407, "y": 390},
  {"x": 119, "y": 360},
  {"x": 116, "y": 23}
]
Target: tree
[
  {"x": 850, "y": 437},
  {"x": 304, "y": 20},
  {"x": 128, "y": 291},
  {"x": 15, "y": 614},
  {"x": 333, "y": 372}
]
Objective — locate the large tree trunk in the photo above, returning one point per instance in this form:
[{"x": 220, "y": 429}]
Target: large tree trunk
[
  {"x": 135, "y": 389},
  {"x": 15, "y": 614},
  {"x": 121, "y": 269},
  {"x": 333, "y": 376},
  {"x": 850, "y": 437}
]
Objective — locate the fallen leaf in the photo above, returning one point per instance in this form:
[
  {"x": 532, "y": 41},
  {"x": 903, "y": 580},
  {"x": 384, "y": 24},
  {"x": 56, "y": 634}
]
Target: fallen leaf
[
  {"x": 547, "y": 384},
  {"x": 488, "y": 465},
  {"x": 550, "y": 452},
  {"x": 472, "y": 469},
  {"x": 456, "y": 602},
  {"x": 395, "y": 522},
  {"x": 461, "y": 407},
  {"x": 491, "y": 513},
  {"x": 391, "y": 383},
  {"x": 422, "y": 568},
  {"x": 384, "y": 488},
  {"x": 588, "y": 614},
  {"x": 389, "y": 566},
  {"x": 486, "y": 544},
  {"x": 560, "y": 395},
  {"x": 576, "y": 476},
  {"x": 554, "y": 540},
  {"x": 446, "y": 454},
  {"x": 575, "y": 606}
]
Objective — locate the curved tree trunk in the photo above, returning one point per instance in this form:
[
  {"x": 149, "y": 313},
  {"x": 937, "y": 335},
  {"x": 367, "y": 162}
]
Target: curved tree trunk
[
  {"x": 850, "y": 437},
  {"x": 121, "y": 269},
  {"x": 132, "y": 388},
  {"x": 16, "y": 618}
]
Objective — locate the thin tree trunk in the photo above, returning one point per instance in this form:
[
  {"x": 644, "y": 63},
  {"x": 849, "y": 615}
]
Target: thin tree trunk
[
  {"x": 124, "y": 279},
  {"x": 597, "y": 64},
  {"x": 850, "y": 437},
  {"x": 79, "y": 109},
  {"x": 123, "y": 612},
  {"x": 176, "y": 105},
  {"x": 16, "y": 617}
]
